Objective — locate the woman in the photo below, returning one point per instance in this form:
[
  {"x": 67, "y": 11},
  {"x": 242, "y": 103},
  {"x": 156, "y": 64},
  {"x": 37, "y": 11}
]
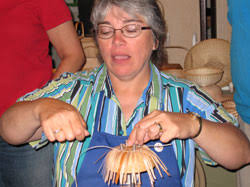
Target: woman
[
  {"x": 27, "y": 28},
  {"x": 127, "y": 95}
]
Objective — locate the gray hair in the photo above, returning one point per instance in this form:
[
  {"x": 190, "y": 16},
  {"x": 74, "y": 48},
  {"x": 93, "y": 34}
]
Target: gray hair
[{"x": 148, "y": 9}]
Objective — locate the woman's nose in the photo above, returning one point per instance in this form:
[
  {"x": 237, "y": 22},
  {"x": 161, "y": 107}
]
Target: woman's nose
[{"x": 118, "y": 37}]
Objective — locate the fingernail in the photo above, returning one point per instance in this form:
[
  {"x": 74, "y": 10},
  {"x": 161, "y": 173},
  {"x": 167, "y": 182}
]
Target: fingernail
[{"x": 128, "y": 143}]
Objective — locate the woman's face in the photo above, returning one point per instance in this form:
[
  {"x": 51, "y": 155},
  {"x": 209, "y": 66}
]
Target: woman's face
[{"x": 126, "y": 57}]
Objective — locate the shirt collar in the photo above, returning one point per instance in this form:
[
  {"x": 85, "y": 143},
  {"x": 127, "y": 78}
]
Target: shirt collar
[
  {"x": 101, "y": 76},
  {"x": 157, "y": 87},
  {"x": 102, "y": 83}
]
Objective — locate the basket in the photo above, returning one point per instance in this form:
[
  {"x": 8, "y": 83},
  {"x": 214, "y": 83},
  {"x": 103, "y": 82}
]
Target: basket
[
  {"x": 204, "y": 76},
  {"x": 214, "y": 53}
]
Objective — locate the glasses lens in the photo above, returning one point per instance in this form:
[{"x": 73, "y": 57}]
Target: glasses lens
[
  {"x": 131, "y": 30},
  {"x": 105, "y": 31}
]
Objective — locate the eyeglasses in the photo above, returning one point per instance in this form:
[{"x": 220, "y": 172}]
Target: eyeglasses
[{"x": 129, "y": 31}]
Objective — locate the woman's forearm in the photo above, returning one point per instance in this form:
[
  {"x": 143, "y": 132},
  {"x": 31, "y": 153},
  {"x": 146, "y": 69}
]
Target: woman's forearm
[
  {"x": 58, "y": 120},
  {"x": 71, "y": 64},
  {"x": 20, "y": 123},
  {"x": 225, "y": 144},
  {"x": 68, "y": 47}
]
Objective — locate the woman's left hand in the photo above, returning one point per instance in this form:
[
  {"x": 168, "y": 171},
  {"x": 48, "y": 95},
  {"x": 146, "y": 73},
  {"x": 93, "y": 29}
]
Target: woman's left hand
[{"x": 164, "y": 126}]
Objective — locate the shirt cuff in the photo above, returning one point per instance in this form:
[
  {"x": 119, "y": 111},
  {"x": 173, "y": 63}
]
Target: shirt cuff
[{"x": 39, "y": 143}]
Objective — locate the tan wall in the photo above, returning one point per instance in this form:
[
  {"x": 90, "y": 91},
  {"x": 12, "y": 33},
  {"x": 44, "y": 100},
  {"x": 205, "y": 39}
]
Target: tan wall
[
  {"x": 183, "y": 21},
  {"x": 223, "y": 27}
]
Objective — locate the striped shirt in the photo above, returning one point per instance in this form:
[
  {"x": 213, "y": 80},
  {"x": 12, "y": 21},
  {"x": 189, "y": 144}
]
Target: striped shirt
[{"x": 92, "y": 94}]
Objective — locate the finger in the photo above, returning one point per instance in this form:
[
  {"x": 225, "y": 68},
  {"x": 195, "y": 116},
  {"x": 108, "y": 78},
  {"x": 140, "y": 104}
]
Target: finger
[
  {"x": 152, "y": 114},
  {"x": 84, "y": 125},
  {"x": 164, "y": 138},
  {"x": 155, "y": 131},
  {"x": 146, "y": 122},
  {"x": 79, "y": 129},
  {"x": 150, "y": 117},
  {"x": 48, "y": 132},
  {"x": 72, "y": 126},
  {"x": 132, "y": 138},
  {"x": 67, "y": 130},
  {"x": 60, "y": 136},
  {"x": 167, "y": 137},
  {"x": 146, "y": 138},
  {"x": 140, "y": 135}
]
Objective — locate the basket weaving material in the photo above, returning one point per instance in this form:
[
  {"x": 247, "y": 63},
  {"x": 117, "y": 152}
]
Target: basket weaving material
[
  {"x": 230, "y": 106},
  {"x": 204, "y": 76},
  {"x": 214, "y": 53}
]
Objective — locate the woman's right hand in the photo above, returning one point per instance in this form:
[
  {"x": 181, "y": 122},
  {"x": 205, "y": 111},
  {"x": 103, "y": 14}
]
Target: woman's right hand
[
  {"x": 60, "y": 121},
  {"x": 165, "y": 126}
]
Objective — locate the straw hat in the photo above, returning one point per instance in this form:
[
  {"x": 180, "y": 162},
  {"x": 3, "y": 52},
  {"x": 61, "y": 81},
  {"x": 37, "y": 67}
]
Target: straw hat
[{"x": 214, "y": 53}]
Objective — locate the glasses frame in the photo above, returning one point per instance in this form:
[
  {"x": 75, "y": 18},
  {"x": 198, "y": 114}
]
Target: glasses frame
[{"x": 122, "y": 31}]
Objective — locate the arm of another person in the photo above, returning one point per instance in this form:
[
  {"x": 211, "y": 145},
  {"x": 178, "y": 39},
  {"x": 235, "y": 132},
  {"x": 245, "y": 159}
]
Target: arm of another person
[
  {"x": 223, "y": 142},
  {"x": 25, "y": 121},
  {"x": 65, "y": 40}
]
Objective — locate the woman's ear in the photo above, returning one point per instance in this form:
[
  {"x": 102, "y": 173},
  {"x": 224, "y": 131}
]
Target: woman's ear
[{"x": 156, "y": 44}]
